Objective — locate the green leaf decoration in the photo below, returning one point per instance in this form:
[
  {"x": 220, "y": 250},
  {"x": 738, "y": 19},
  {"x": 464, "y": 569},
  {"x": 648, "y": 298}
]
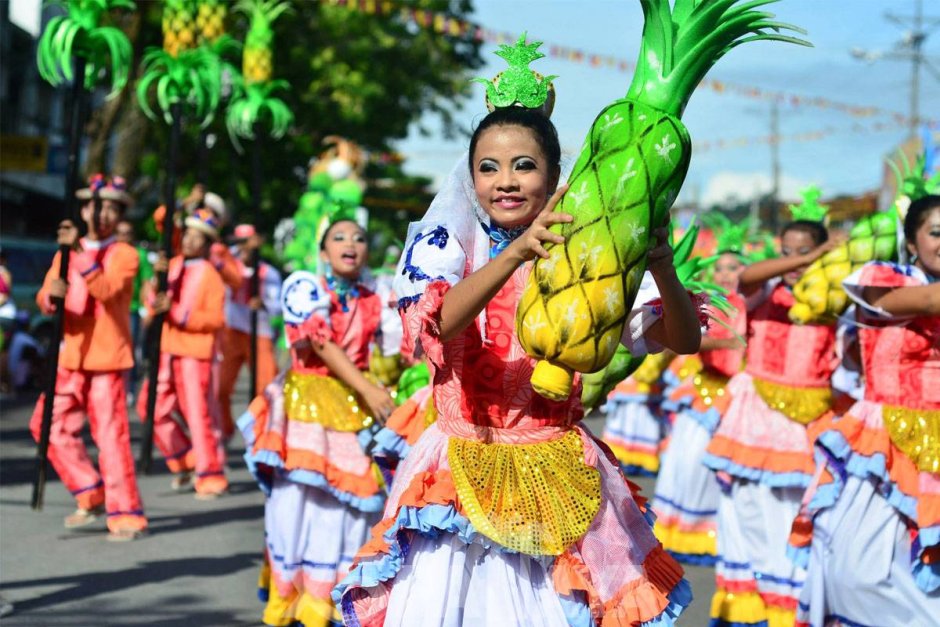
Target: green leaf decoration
[
  {"x": 78, "y": 34},
  {"x": 912, "y": 182},
  {"x": 680, "y": 45},
  {"x": 194, "y": 78},
  {"x": 730, "y": 237},
  {"x": 690, "y": 269},
  {"x": 810, "y": 209},
  {"x": 256, "y": 104}
]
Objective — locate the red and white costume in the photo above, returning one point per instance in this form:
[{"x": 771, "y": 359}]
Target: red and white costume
[
  {"x": 763, "y": 449},
  {"x": 871, "y": 530},
  {"x": 687, "y": 494},
  {"x": 303, "y": 447},
  {"x": 506, "y": 510},
  {"x": 96, "y": 351}
]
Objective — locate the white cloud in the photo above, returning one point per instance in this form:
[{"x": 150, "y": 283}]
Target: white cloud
[{"x": 744, "y": 186}]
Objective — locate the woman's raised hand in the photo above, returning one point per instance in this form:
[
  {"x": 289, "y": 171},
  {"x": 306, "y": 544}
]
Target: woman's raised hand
[{"x": 529, "y": 245}]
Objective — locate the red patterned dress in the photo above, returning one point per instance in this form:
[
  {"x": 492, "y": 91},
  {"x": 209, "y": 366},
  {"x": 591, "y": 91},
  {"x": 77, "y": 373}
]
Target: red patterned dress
[
  {"x": 763, "y": 451},
  {"x": 303, "y": 447},
  {"x": 871, "y": 530},
  {"x": 506, "y": 510}
]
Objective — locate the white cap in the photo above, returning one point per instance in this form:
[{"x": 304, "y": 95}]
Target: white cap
[{"x": 214, "y": 203}]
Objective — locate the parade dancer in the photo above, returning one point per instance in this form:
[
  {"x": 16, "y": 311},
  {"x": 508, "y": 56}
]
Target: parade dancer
[
  {"x": 871, "y": 530},
  {"x": 96, "y": 353},
  {"x": 236, "y": 337},
  {"x": 762, "y": 450},
  {"x": 302, "y": 434},
  {"x": 686, "y": 495},
  {"x": 506, "y": 510},
  {"x": 194, "y": 305}
]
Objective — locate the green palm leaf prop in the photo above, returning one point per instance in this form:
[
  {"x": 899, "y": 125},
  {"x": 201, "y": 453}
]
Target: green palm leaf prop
[
  {"x": 78, "y": 34},
  {"x": 635, "y": 158},
  {"x": 180, "y": 72},
  {"x": 253, "y": 102}
]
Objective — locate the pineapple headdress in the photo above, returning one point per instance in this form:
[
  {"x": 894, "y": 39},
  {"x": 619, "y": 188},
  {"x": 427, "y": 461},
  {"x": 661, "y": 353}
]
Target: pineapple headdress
[
  {"x": 914, "y": 182},
  {"x": 518, "y": 85},
  {"x": 730, "y": 237},
  {"x": 810, "y": 209},
  {"x": 79, "y": 35}
]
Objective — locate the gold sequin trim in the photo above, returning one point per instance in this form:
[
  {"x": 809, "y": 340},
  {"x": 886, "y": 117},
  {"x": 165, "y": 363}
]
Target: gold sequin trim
[
  {"x": 803, "y": 405},
  {"x": 709, "y": 386},
  {"x": 917, "y": 433},
  {"x": 326, "y": 401},
  {"x": 536, "y": 499},
  {"x": 690, "y": 365}
]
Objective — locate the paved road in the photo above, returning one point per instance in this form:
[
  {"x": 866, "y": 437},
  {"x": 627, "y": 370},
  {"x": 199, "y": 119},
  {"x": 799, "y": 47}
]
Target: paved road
[{"x": 198, "y": 566}]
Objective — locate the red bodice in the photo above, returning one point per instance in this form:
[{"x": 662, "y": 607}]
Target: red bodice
[{"x": 785, "y": 353}]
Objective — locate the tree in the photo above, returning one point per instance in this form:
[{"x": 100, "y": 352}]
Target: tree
[{"x": 366, "y": 77}]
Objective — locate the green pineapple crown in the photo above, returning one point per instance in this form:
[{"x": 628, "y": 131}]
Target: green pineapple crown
[
  {"x": 681, "y": 44},
  {"x": 810, "y": 209},
  {"x": 262, "y": 14},
  {"x": 730, "y": 237},
  {"x": 518, "y": 84},
  {"x": 913, "y": 182}
]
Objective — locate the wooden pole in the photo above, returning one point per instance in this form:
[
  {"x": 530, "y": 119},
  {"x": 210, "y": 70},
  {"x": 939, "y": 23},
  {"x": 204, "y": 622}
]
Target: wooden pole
[
  {"x": 156, "y": 330},
  {"x": 255, "y": 285},
  {"x": 76, "y": 122}
]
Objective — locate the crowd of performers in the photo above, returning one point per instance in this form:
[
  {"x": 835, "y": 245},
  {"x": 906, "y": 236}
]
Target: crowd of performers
[{"x": 461, "y": 497}]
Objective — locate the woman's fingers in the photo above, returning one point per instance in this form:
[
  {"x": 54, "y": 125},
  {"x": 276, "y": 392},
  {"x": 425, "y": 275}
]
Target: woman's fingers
[{"x": 556, "y": 197}]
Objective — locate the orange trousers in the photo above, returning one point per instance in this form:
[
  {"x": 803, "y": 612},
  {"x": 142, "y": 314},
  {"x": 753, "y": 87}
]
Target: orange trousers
[
  {"x": 236, "y": 351},
  {"x": 102, "y": 397},
  {"x": 184, "y": 386}
]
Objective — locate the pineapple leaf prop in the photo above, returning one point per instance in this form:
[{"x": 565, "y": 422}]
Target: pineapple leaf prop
[
  {"x": 819, "y": 294},
  {"x": 517, "y": 83},
  {"x": 730, "y": 237},
  {"x": 597, "y": 385},
  {"x": 622, "y": 186},
  {"x": 254, "y": 102},
  {"x": 78, "y": 34},
  {"x": 182, "y": 72}
]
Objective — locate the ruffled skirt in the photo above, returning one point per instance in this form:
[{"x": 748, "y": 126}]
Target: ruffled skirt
[
  {"x": 859, "y": 445},
  {"x": 634, "y": 432},
  {"x": 615, "y": 572},
  {"x": 686, "y": 497},
  {"x": 756, "y": 443}
]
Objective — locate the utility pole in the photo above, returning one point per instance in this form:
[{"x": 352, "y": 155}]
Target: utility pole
[
  {"x": 774, "y": 165},
  {"x": 910, "y": 48}
]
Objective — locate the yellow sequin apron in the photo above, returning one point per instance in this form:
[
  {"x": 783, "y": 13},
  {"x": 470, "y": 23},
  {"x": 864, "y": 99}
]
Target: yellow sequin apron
[
  {"x": 803, "y": 405},
  {"x": 917, "y": 433},
  {"x": 536, "y": 499},
  {"x": 709, "y": 386},
  {"x": 325, "y": 401}
]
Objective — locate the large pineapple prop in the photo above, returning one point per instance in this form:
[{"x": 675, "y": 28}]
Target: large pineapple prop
[
  {"x": 595, "y": 386},
  {"x": 819, "y": 294},
  {"x": 210, "y": 20},
  {"x": 179, "y": 26},
  {"x": 254, "y": 101},
  {"x": 630, "y": 170}
]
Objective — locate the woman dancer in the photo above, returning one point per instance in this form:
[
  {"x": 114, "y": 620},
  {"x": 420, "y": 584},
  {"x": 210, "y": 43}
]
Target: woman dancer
[
  {"x": 323, "y": 491},
  {"x": 761, "y": 448},
  {"x": 506, "y": 510},
  {"x": 686, "y": 496},
  {"x": 874, "y": 556}
]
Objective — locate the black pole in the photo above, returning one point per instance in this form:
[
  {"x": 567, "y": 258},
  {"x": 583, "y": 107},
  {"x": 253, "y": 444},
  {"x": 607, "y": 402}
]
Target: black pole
[
  {"x": 156, "y": 329},
  {"x": 255, "y": 284},
  {"x": 202, "y": 161},
  {"x": 76, "y": 122}
]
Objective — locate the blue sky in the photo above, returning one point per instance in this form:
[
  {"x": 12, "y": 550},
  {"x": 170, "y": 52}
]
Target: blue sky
[{"x": 841, "y": 162}]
